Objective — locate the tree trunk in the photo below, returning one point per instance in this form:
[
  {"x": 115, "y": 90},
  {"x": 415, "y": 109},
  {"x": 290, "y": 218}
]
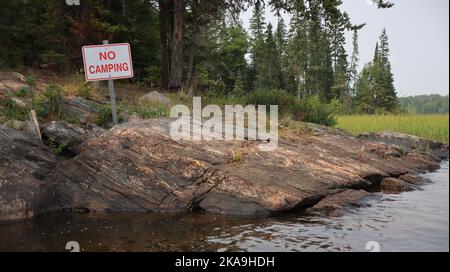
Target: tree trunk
[
  {"x": 164, "y": 26},
  {"x": 191, "y": 82},
  {"x": 176, "y": 64},
  {"x": 191, "y": 73}
]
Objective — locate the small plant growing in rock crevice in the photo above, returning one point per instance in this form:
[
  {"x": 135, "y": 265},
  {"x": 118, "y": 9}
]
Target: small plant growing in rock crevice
[
  {"x": 24, "y": 92},
  {"x": 85, "y": 90},
  {"x": 10, "y": 110},
  {"x": 56, "y": 146},
  {"x": 31, "y": 82},
  {"x": 238, "y": 155},
  {"x": 49, "y": 103}
]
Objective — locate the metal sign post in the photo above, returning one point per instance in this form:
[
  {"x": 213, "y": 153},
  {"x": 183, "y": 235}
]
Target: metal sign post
[{"x": 112, "y": 95}]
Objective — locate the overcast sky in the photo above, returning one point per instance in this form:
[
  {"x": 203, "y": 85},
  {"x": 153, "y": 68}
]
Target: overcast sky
[{"x": 419, "y": 41}]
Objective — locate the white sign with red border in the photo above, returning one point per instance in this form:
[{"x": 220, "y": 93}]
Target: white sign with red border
[{"x": 107, "y": 62}]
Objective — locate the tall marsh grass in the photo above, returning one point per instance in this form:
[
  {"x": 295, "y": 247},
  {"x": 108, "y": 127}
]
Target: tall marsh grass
[{"x": 433, "y": 127}]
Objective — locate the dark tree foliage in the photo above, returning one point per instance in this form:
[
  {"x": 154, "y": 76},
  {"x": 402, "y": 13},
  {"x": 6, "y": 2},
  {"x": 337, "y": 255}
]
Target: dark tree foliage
[
  {"x": 201, "y": 45},
  {"x": 49, "y": 34}
]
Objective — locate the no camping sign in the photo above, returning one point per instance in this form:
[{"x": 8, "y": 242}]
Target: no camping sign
[{"x": 107, "y": 61}]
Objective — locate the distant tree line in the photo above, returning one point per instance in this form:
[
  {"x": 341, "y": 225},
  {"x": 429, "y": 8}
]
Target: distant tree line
[
  {"x": 202, "y": 47},
  {"x": 425, "y": 104}
]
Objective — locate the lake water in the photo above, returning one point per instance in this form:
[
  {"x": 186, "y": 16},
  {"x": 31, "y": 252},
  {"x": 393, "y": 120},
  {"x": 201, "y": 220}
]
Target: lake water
[{"x": 411, "y": 221}]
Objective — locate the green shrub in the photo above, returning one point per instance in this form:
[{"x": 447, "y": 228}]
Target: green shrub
[
  {"x": 85, "y": 90},
  {"x": 104, "y": 115},
  {"x": 24, "y": 92},
  {"x": 310, "y": 109},
  {"x": 39, "y": 107},
  {"x": 10, "y": 110},
  {"x": 72, "y": 119},
  {"x": 56, "y": 146},
  {"x": 211, "y": 99},
  {"x": 49, "y": 103},
  {"x": 281, "y": 98},
  {"x": 215, "y": 89},
  {"x": 313, "y": 110},
  {"x": 53, "y": 99},
  {"x": 148, "y": 111},
  {"x": 53, "y": 58},
  {"x": 152, "y": 76},
  {"x": 30, "y": 81}
]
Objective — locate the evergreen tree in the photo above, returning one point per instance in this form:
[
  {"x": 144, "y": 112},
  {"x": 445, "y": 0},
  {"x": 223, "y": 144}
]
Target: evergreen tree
[
  {"x": 319, "y": 76},
  {"x": 375, "y": 87},
  {"x": 257, "y": 21},
  {"x": 376, "y": 53},
  {"x": 354, "y": 60},
  {"x": 257, "y": 26},
  {"x": 390, "y": 100},
  {"x": 238, "y": 88},
  {"x": 297, "y": 52},
  {"x": 270, "y": 63},
  {"x": 281, "y": 44},
  {"x": 383, "y": 50},
  {"x": 222, "y": 47},
  {"x": 340, "y": 87},
  {"x": 196, "y": 44}
]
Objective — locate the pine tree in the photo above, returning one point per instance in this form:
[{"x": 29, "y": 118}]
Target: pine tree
[
  {"x": 375, "y": 87},
  {"x": 281, "y": 53},
  {"x": 222, "y": 47},
  {"x": 257, "y": 22},
  {"x": 297, "y": 52},
  {"x": 340, "y": 87},
  {"x": 383, "y": 50},
  {"x": 390, "y": 100},
  {"x": 270, "y": 63},
  {"x": 319, "y": 76},
  {"x": 238, "y": 88},
  {"x": 257, "y": 26},
  {"x": 376, "y": 54},
  {"x": 354, "y": 61}
]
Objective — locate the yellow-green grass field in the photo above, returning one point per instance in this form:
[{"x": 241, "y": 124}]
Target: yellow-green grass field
[{"x": 433, "y": 127}]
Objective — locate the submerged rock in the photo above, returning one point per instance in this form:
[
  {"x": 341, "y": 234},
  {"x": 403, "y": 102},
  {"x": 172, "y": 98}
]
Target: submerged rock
[
  {"x": 24, "y": 162},
  {"x": 138, "y": 167},
  {"x": 395, "y": 185},
  {"x": 414, "y": 179},
  {"x": 335, "y": 205}
]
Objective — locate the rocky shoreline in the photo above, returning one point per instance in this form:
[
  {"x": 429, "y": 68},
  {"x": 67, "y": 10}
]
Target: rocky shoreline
[{"x": 137, "y": 167}]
